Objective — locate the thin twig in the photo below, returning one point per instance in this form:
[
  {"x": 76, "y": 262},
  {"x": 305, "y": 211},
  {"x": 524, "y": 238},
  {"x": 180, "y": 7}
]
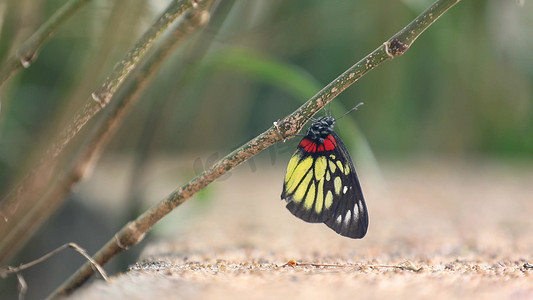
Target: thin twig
[
  {"x": 405, "y": 266},
  {"x": 134, "y": 231},
  {"x": 21, "y": 199},
  {"x": 23, "y": 287},
  {"x": 90, "y": 259},
  {"x": 293, "y": 263},
  {"x": 27, "y": 53},
  {"x": 5, "y": 271}
]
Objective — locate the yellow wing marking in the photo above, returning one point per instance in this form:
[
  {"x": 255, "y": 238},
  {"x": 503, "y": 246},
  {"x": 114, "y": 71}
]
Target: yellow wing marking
[
  {"x": 339, "y": 164},
  {"x": 310, "y": 197},
  {"x": 346, "y": 169},
  {"x": 329, "y": 200},
  {"x": 319, "y": 197},
  {"x": 298, "y": 173},
  {"x": 292, "y": 166},
  {"x": 320, "y": 167},
  {"x": 302, "y": 188},
  {"x": 337, "y": 184},
  {"x": 332, "y": 166}
]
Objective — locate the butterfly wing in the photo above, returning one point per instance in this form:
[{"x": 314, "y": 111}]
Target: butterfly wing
[
  {"x": 350, "y": 217},
  {"x": 303, "y": 188},
  {"x": 321, "y": 186}
]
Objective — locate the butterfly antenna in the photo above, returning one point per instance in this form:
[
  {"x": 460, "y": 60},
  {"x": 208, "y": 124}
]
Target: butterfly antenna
[{"x": 353, "y": 108}]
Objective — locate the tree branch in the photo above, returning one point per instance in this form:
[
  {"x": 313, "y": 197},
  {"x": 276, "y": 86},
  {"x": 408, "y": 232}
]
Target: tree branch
[
  {"x": 133, "y": 232},
  {"x": 27, "y": 53},
  {"x": 102, "y": 96},
  {"x": 102, "y": 134},
  {"x": 20, "y": 200}
]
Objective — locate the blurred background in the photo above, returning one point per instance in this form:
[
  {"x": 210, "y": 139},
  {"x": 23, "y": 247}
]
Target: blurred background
[{"x": 463, "y": 92}]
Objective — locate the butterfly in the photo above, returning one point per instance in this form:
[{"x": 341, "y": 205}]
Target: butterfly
[{"x": 321, "y": 185}]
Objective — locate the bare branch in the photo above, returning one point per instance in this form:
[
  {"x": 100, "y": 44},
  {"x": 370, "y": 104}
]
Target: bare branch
[
  {"x": 18, "y": 208},
  {"x": 101, "y": 135},
  {"x": 400, "y": 42},
  {"x": 102, "y": 96},
  {"x": 104, "y": 93},
  {"x": 27, "y": 53}
]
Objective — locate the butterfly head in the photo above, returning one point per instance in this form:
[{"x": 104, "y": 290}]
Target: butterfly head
[{"x": 321, "y": 128}]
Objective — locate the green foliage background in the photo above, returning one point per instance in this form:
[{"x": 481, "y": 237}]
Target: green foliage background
[{"x": 463, "y": 89}]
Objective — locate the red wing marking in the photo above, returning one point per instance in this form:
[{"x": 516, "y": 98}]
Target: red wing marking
[
  {"x": 305, "y": 142},
  {"x": 330, "y": 143},
  {"x": 309, "y": 146}
]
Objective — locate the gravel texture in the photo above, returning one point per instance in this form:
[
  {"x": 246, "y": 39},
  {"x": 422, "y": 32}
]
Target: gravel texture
[{"x": 439, "y": 230}]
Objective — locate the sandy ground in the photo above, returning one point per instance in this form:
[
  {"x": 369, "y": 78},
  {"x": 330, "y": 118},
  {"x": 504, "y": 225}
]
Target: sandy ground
[{"x": 453, "y": 230}]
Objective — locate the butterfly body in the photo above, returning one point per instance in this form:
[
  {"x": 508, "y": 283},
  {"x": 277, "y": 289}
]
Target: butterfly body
[{"x": 321, "y": 185}]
